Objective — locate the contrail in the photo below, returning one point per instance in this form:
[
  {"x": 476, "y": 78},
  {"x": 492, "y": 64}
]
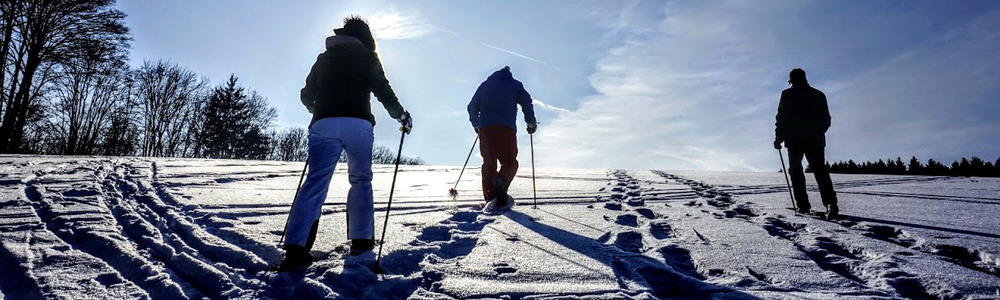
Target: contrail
[{"x": 521, "y": 56}]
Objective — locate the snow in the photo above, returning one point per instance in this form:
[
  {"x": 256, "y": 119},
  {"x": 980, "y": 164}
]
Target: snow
[{"x": 134, "y": 228}]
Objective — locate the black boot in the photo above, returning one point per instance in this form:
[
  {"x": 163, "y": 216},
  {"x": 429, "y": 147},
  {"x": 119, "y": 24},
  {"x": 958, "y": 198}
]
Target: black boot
[
  {"x": 296, "y": 258},
  {"x": 500, "y": 190},
  {"x": 832, "y": 211},
  {"x": 359, "y": 246}
]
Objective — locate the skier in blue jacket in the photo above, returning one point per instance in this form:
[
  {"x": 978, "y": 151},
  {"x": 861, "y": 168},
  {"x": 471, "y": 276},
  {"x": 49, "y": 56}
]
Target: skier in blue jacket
[{"x": 493, "y": 114}]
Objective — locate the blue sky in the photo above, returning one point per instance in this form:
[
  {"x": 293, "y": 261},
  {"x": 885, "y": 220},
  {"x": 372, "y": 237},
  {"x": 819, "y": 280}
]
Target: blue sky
[{"x": 627, "y": 84}]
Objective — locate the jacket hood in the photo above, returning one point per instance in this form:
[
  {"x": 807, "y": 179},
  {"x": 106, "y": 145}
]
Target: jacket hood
[
  {"x": 502, "y": 73},
  {"x": 336, "y": 40}
]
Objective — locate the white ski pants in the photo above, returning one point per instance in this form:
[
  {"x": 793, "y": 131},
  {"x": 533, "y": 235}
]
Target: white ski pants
[{"x": 327, "y": 137}]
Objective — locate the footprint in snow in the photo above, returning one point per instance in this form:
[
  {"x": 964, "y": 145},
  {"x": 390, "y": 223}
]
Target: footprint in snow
[{"x": 627, "y": 220}]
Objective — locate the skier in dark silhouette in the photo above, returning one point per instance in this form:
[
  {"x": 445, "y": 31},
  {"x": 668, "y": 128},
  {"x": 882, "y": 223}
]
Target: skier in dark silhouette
[
  {"x": 802, "y": 121},
  {"x": 337, "y": 93},
  {"x": 493, "y": 114}
]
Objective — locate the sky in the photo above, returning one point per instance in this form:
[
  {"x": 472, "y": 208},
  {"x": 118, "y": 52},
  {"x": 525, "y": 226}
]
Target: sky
[{"x": 688, "y": 85}]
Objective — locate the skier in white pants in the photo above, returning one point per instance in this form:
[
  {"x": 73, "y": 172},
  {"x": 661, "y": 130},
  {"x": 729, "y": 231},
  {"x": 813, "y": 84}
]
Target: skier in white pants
[{"x": 337, "y": 93}]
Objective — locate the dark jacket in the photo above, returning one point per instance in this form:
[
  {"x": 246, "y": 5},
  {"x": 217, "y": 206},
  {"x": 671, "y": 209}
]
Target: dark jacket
[
  {"x": 496, "y": 100},
  {"x": 803, "y": 118},
  {"x": 342, "y": 79}
]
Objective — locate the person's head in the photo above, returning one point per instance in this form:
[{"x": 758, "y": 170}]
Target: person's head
[
  {"x": 355, "y": 26},
  {"x": 797, "y": 77}
]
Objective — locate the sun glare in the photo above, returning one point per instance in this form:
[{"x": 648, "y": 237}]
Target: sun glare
[{"x": 396, "y": 25}]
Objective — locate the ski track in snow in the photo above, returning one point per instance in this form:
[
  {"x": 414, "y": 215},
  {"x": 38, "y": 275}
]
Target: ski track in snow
[
  {"x": 868, "y": 267},
  {"x": 117, "y": 228}
]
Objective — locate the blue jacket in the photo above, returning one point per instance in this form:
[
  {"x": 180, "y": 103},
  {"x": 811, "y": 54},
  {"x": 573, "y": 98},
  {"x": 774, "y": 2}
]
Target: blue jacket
[{"x": 496, "y": 100}]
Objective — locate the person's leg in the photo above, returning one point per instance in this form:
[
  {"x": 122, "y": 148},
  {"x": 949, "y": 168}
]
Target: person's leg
[
  {"x": 358, "y": 138},
  {"x": 487, "y": 149},
  {"x": 324, "y": 152},
  {"x": 507, "y": 154},
  {"x": 817, "y": 162},
  {"x": 798, "y": 179}
]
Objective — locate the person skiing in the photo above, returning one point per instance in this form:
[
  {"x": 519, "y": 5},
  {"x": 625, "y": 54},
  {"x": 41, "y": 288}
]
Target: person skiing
[
  {"x": 493, "y": 114},
  {"x": 801, "y": 123},
  {"x": 337, "y": 94}
]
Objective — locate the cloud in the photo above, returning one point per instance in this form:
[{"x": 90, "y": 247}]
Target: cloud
[
  {"x": 547, "y": 106},
  {"x": 668, "y": 97},
  {"x": 694, "y": 85},
  {"x": 399, "y": 25}
]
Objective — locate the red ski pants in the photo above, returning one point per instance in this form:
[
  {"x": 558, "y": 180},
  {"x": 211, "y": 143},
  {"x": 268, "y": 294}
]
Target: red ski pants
[{"x": 497, "y": 143}]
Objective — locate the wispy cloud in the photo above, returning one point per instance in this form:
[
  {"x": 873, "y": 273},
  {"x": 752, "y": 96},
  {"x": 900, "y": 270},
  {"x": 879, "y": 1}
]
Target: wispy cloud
[
  {"x": 399, "y": 25},
  {"x": 666, "y": 98},
  {"x": 547, "y": 106},
  {"x": 698, "y": 87}
]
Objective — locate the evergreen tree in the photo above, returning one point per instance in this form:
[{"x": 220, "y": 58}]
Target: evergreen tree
[
  {"x": 977, "y": 167},
  {"x": 964, "y": 168},
  {"x": 936, "y": 168},
  {"x": 235, "y": 124},
  {"x": 915, "y": 168},
  {"x": 880, "y": 167},
  {"x": 996, "y": 168}
]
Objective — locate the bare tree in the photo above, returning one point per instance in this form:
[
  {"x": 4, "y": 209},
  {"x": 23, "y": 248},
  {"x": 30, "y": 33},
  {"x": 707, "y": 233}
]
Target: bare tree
[
  {"x": 384, "y": 155},
  {"x": 167, "y": 95},
  {"x": 85, "y": 100},
  {"x": 290, "y": 145},
  {"x": 39, "y": 35}
]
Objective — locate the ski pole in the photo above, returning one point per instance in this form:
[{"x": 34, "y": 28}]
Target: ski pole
[
  {"x": 453, "y": 192},
  {"x": 297, "y": 188},
  {"x": 388, "y": 208},
  {"x": 534, "y": 191},
  {"x": 785, "y": 171}
]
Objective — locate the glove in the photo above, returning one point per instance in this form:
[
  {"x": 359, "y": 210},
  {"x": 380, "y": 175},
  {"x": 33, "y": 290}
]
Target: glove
[
  {"x": 532, "y": 127},
  {"x": 406, "y": 121},
  {"x": 777, "y": 144}
]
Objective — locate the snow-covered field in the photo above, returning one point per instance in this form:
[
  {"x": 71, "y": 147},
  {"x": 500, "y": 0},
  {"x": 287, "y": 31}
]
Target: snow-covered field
[{"x": 81, "y": 227}]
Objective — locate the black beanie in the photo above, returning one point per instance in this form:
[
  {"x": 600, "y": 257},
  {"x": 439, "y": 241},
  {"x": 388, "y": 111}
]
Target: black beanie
[{"x": 357, "y": 27}]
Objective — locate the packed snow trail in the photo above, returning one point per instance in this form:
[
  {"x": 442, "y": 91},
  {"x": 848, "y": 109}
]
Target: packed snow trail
[{"x": 134, "y": 228}]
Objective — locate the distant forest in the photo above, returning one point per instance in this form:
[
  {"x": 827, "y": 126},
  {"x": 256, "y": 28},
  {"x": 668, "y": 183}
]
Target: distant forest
[
  {"x": 67, "y": 88},
  {"x": 966, "y": 167}
]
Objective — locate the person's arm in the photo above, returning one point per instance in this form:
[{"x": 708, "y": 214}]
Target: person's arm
[
  {"x": 474, "y": 108},
  {"x": 524, "y": 99},
  {"x": 825, "y": 117},
  {"x": 308, "y": 93},
  {"x": 380, "y": 87},
  {"x": 780, "y": 123}
]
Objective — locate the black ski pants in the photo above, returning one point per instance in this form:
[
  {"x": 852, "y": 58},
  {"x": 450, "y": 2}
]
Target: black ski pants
[{"x": 817, "y": 162}]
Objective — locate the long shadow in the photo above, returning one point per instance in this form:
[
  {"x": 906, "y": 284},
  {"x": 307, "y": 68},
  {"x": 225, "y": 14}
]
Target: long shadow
[
  {"x": 930, "y": 227},
  {"x": 926, "y": 197},
  {"x": 664, "y": 280}
]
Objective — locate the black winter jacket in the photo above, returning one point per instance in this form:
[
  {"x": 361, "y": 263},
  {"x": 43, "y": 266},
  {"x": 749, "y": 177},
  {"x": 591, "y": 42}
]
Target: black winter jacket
[
  {"x": 342, "y": 80},
  {"x": 803, "y": 118}
]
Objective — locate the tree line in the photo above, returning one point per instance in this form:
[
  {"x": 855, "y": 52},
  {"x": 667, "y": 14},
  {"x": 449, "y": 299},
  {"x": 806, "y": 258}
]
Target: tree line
[
  {"x": 966, "y": 167},
  {"x": 67, "y": 88}
]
